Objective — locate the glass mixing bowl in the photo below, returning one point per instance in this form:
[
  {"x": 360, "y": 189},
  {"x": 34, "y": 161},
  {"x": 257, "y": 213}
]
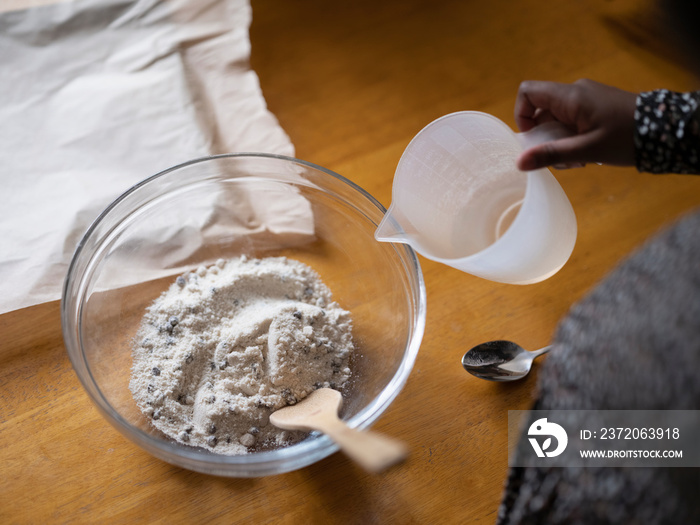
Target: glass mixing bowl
[{"x": 222, "y": 207}]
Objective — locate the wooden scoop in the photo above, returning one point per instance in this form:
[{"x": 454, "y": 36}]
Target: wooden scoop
[{"x": 319, "y": 411}]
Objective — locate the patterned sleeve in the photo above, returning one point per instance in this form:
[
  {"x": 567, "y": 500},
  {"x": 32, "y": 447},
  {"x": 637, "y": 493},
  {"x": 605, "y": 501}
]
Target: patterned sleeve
[{"x": 667, "y": 132}]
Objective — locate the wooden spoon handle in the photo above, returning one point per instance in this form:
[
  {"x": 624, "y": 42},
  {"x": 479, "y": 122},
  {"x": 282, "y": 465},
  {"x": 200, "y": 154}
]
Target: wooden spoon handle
[{"x": 372, "y": 451}]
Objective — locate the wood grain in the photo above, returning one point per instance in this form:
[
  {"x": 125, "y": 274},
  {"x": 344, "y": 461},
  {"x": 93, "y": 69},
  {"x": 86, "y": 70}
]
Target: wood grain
[{"x": 351, "y": 83}]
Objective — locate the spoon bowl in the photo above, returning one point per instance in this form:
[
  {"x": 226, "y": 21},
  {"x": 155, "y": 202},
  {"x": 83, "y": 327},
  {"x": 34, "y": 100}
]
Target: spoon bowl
[{"x": 500, "y": 360}]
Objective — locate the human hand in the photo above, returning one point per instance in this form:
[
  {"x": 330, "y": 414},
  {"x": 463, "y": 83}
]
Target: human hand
[{"x": 600, "y": 119}]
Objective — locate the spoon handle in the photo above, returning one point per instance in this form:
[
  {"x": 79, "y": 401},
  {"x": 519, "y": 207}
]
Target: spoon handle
[
  {"x": 374, "y": 452},
  {"x": 541, "y": 351}
]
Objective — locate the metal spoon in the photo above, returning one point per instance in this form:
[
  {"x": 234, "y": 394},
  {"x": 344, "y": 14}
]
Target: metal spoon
[{"x": 500, "y": 360}]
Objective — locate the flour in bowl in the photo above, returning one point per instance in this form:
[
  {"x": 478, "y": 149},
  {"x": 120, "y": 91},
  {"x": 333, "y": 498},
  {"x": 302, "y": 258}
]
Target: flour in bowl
[{"x": 227, "y": 345}]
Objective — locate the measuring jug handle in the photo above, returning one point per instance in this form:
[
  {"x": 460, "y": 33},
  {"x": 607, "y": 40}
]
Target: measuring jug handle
[{"x": 546, "y": 132}]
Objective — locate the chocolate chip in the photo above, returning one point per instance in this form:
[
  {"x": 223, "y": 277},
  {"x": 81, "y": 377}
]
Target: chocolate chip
[
  {"x": 184, "y": 436},
  {"x": 212, "y": 428},
  {"x": 297, "y": 314},
  {"x": 156, "y": 371},
  {"x": 189, "y": 358},
  {"x": 173, "y": 320},
  {"x": 288, "y": 397},
  {"x": 181, "y": 282},
  {"x": 212, "y": 441},
  {"x": 260, "y": 403}
]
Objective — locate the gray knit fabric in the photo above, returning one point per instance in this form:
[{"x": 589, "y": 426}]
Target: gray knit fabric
[{"x": 633, "y": 343}]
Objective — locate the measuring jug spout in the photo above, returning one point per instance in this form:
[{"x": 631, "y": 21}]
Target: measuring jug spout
[{"x": 390, "y": 230}]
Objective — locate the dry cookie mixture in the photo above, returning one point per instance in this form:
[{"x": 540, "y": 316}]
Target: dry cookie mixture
[{"x": 227, "y": 345}]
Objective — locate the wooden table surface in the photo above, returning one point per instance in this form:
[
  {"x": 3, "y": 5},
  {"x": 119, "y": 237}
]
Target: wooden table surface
[{"x": 351, "y": 83}]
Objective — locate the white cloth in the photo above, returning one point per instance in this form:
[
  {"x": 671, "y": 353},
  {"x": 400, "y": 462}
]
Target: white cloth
[{"x": 97, "y": 95}]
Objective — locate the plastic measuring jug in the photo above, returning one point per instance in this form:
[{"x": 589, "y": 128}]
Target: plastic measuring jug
[{"x": 458, "y": 199}]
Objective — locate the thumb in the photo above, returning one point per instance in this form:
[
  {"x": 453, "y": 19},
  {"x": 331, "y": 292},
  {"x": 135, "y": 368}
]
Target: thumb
[{"x": 569, "y": 151}]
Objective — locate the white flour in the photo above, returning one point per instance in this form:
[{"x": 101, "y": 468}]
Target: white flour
[{"x": 227, "y": 345}]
